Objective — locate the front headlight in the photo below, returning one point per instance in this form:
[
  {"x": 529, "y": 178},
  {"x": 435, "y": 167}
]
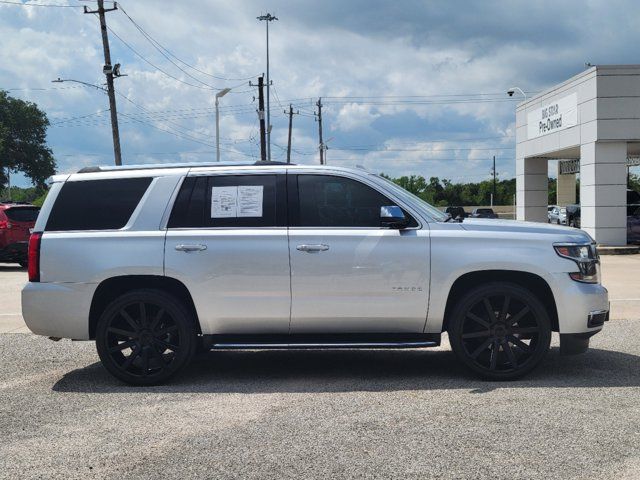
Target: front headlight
[{"x": 586, "y": 258}]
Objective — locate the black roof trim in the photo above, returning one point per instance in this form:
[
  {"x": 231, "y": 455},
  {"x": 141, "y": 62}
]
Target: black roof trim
[
  {"x": 97, "y": 168},
  {"x": 260, "y": 163}
]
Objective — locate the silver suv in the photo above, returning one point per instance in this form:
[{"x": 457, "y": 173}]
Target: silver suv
[{"x": 157, "y": 262}]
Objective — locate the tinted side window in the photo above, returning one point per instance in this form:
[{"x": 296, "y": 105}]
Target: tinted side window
[
  {"x": 96, "y": 204},
  {"x": 188, "y": 210},
  {"x": 328, "y": 201},
  {"x": 230, "y": 201}
]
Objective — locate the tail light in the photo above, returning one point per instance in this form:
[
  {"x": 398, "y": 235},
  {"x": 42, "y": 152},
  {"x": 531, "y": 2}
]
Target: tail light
[
  {"x": 4, "y": 224},
  {"x": 34, "y": 257}
]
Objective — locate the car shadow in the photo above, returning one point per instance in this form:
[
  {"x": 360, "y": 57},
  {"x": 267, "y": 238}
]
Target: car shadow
[
  {"x": 360, "y": 370},
  {"x": 11, "y": 267}
]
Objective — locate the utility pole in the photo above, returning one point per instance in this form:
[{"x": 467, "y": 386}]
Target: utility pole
[
  {"x": 109, "y": 72},
  {"x": 263, "y": 149},
  {"x": 320, "y": 144},
  {"x": 268, "y": 18},
  {"x": 291, "y": 113},
  {"x": 493, "y": 195}
]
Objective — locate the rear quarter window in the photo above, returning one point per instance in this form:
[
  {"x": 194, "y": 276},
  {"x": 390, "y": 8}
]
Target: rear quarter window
[{"x": 96, "y": 204}]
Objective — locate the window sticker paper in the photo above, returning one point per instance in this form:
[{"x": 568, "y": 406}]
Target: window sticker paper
[
  {"x": 224, "y": 202},
  {"x": 250, "y": 200}
]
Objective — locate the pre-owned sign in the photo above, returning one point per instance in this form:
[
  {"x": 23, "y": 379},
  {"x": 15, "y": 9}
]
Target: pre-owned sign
[{"x": 558, "y": 115}]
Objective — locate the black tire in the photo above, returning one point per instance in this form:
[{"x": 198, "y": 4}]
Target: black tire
[
  {"x": 145, "y": 337},
  {"x": 490, "y": 327}
]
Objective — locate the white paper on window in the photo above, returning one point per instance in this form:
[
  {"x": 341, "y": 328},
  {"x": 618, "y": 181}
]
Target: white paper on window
[
  {"x": 250, "y": 200},
  {"x": 224, "y": 202}
]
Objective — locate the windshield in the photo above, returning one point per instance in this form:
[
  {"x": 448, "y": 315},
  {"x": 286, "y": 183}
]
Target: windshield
[{"x": 432, "y": 211}]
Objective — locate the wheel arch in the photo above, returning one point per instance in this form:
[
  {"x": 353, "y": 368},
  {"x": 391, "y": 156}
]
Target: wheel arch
[
  {"x": 111, "y": 288},
  {"x": 532, "y": 282}
]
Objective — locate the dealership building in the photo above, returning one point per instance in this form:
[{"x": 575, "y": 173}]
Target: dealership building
[{"x": 591, "y": 124}]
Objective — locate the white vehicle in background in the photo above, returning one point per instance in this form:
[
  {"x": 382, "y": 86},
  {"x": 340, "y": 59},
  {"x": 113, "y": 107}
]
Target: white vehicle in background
[
  {"x": 557, "y": 215},
  {"x": 157, "y": 262}
]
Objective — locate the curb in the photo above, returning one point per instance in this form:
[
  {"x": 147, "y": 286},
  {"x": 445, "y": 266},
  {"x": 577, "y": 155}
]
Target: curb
[{"x": 625, "y": 250}]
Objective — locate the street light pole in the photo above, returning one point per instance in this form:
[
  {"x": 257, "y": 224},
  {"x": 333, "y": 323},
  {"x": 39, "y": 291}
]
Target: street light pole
[
  {"x": 60, "y": 80},
  {"x": 219, "y": 95},
  {"x": 513, "y": 89},
  {"x": 268, "y": 18}
]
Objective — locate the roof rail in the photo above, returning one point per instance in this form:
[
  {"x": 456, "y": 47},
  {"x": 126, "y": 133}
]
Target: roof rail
[
  {"x": 98, "y": 168},
  {"x": 266, "y": 163}
]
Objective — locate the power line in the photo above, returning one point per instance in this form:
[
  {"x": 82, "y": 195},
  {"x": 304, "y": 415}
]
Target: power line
[
  {"x": 176, "y": 134},
  {"x": 71, "y": 119},
  {"x": 383, "y": 149},
  {"x": 148, "y": 113},
  {"x": 39, "y": 4},
  {"x": 155, "y": 66},
  {"x": 423, "y": 102},
  {"x": 159, "y": 48},
  {"x": 157, "y": 44},
  {"x": 477, "y": 94}
]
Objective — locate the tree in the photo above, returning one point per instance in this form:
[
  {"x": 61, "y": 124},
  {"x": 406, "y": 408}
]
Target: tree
[
  {"x": 444, "y": 192},
  {"x": 634, "y": 182},
  {"x": 23, "y": 131}
]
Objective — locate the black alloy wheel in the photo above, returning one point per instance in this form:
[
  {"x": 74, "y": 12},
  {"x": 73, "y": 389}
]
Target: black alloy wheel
[
  {"x": 144, "y": 337},
  {"x": 500, "y": 330}
]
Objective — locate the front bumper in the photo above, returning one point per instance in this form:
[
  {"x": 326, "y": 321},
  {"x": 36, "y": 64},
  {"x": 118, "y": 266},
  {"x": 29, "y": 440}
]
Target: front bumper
[
  {"x": 575, "y": 343},
  {"x": 582, "y": 307},
  {"x": 58, "y": 309}
]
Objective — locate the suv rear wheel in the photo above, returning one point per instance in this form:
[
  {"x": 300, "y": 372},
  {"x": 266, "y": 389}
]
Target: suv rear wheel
[
  {"x": 145, "y": 336},
  {"x": 500, "y": 330}
]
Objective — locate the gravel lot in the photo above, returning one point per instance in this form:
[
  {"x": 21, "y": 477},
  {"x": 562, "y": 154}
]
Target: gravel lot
[
  {"x": 323, "y": 414},
  {"x": 277, "y": 414}
]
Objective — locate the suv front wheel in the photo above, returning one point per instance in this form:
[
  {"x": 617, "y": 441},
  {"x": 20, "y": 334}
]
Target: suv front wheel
[
  {"x": 145, "y": 336},
  {"x": 500, "y": 330}
]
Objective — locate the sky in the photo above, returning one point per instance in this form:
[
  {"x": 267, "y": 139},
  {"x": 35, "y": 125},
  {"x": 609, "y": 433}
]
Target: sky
[{"x": 408, "y": 87}]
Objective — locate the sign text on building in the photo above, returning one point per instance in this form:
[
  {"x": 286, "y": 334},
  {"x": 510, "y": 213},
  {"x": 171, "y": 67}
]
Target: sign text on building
[{"x": 555, "y": 116}]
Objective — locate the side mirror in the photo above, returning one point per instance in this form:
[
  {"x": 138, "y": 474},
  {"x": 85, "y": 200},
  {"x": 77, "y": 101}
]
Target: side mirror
[{"x": 392, "y": 216}]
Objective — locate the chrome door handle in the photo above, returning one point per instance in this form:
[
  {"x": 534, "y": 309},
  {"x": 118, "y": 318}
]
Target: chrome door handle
[
  {"x": 313, "y": 248},
  {"x": 190, "y": 248}
]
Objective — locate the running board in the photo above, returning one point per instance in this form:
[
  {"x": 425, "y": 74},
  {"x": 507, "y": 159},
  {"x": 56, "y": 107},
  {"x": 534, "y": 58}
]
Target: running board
[
  {"x": 319, "y": 341},
  {"x": 307, "y": 346}
]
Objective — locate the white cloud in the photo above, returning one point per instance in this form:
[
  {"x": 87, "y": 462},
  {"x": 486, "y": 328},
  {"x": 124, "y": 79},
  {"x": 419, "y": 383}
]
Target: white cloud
[
  {"x": 353, "y": 116},
  {"x": 355, "y": 49}
]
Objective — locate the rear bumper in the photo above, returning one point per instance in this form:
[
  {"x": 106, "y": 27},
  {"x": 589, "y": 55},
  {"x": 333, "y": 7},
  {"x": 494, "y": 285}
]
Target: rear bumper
[
  {"x": 58, "y": 309},
  {"x": 14, "y": 252}
]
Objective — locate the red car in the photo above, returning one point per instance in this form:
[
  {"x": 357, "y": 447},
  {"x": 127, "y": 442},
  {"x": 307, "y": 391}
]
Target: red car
[{"x": 16, "y": 222}]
